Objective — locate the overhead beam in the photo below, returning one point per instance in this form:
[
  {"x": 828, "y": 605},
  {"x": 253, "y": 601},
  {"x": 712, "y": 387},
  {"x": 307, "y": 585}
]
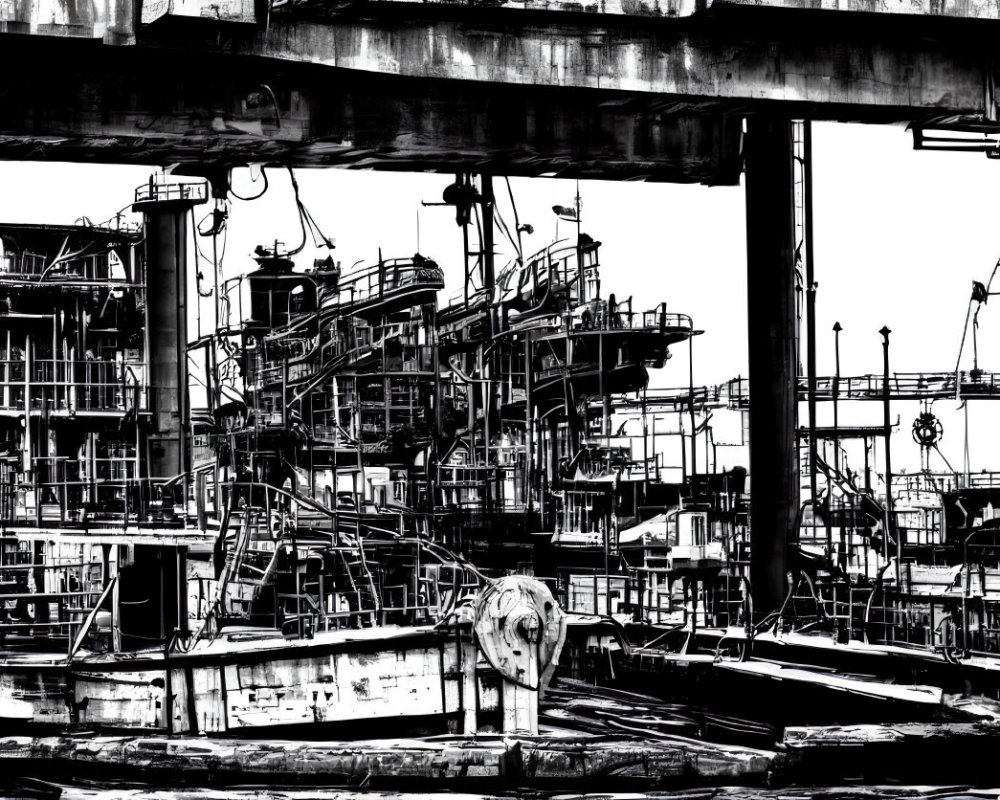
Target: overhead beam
[
  {"x": 396, "y": 85},
  {"x": 208, "y": 110},
  {"x": 751, "y": 55}
]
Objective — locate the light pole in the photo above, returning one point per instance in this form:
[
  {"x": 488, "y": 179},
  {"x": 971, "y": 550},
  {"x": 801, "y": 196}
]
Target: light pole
[
  {"x": 836, "y": 395},
  {"x": 836, "y": 426},
  {"x": 890, "y": 524}
]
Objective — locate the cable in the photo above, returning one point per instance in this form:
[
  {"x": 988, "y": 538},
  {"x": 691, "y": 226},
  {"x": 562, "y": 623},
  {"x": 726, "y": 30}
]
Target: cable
[
  {"x": 306, "y": 219},
  {"x": 975, "y": 323},
  {"x": 219, "y": 218},
  {"x": 199, "y": 275},
  {"x": 506, "y": 232},
  {"x": 479, "y": 233},
  {"x": 263, "y": 174},
  {"x": 513, "y": 205}
]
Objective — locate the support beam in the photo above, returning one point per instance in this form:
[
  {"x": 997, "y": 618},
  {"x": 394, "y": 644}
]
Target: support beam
[
  {"x": 447, "y": 87},
  {"x": 771, "y": 314},
  {"x": 160, "y": 107},
  {"x": 747, "y": 55}
]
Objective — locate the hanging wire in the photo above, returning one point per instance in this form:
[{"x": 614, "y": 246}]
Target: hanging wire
[
  {"x": 965, "y": 406},
  {"x": 517, "y": 222},
  {"x": 506, "y": 232},
  {"x": 114, "y": 218},
  {"x": 218, "y": 215},
  {"x": 198, "y": 258},
  {"x": 937, "y": 449},
  {"x": 263, "y": 174},
  {"x": 975, "y": 324},
  {"x": 306, "y": 221},
  {"x": 479, "y": 232}
]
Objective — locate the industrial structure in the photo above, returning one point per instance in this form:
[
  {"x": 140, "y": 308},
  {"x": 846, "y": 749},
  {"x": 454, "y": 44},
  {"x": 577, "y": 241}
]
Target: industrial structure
[{"x": 368, "y": 462}]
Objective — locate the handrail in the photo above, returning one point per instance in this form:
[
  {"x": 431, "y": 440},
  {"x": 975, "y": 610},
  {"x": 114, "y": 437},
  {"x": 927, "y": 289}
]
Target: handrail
[
  {"x": 917, "y": 385},
  {"x": 160, "y": 192},
  {"x": 389, "y": 275}
]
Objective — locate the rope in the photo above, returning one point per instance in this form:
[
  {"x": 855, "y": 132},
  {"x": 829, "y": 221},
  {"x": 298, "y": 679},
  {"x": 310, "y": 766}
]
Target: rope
[
  {"x": 965, "y": 330},
  {"x": 263, "y": 174}
]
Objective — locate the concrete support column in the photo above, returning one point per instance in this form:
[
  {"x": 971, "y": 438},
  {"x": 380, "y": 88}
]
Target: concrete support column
[{"x": 770, "y": 206}]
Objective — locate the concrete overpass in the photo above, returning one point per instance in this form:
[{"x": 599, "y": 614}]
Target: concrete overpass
[
  {"x": 657, "y": 89},
  {"x": 611, "y": 88}
]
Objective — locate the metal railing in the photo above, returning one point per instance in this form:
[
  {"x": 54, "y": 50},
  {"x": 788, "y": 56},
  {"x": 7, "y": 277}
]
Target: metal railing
[
  {"x": 159, "y": 192},
  {"x": 388, "y": 276},
  {"x": 22, "y": 264},
  {"x": 907, "y": 385},
  {"x": 80, "y": 385},
  {"x": 599, "y": 317},
  {"x": 32, "y": 265}
]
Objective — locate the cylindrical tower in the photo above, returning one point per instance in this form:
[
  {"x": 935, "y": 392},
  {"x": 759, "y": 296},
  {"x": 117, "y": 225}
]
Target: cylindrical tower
[{"x": 165, "y": 208}]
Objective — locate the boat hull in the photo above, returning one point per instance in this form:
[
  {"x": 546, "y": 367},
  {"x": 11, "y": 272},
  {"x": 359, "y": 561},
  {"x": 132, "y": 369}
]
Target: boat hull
[{"x": 415, "y": 680}]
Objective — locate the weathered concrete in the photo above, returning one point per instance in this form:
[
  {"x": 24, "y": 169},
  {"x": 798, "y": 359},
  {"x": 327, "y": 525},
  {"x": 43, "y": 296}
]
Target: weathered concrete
[
  {"x": 397, "y": 85},
  {"x": 724, "y": 57},
  {"x": 155, "y": 106},
  {"x": 958, "y": 9},
  {"x": 115, "y": 22}
]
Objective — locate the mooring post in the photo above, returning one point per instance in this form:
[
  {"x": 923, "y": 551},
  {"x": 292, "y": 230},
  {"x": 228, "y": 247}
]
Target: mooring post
[{"x": 770, "y": 219}]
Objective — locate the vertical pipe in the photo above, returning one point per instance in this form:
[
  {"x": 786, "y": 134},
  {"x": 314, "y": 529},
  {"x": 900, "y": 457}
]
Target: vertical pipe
[
  {"x": 529, "y": 417},
  {"x": 182, "y": 589},
  {"x": 836, "y": 395},
  {"x": 694, "y": 427},
  {"x": 465, "y": 260},
  {"x": 166, "y": 276},
  {"x": 890, "y": 516},
  {"x": 645, "y": 445},
  {"x": 836, "y": 421},
  {"x": 488, "y": 203},
  {"x": 165, "y": 216},
  {"x": 810, "y": 319},
  {"x": 770, "y": 232},
  {"x": 581, "y": 270},
  {"x": 8, "y": 364},
  {"x": 28, "y": 444},
  {"x": 491, "y": 363}
]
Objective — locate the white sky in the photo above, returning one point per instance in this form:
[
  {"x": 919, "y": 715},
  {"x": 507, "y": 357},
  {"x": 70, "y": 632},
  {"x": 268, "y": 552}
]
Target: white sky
[{"x": 899, "y": 237}]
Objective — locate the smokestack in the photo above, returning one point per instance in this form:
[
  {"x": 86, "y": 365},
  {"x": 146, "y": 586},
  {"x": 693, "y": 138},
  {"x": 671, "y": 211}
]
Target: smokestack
[{"x": 165, "y": 208}]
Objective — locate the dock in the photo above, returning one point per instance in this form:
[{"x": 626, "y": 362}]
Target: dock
[{"x": 486, "y": 762}]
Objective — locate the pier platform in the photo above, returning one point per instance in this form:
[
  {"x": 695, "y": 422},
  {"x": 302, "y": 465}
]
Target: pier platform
[{"x": 484, "y": 762}]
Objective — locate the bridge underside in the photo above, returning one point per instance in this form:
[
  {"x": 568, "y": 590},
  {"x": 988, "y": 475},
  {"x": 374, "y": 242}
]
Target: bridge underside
[
  {"x": 459, "y": 88},
  {"x": 153, "y": 106}
]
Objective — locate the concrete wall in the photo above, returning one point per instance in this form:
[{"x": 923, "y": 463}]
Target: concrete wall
[{"x": 108, "y": 20}]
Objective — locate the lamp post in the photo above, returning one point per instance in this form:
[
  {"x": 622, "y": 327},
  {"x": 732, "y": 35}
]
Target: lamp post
[
  {"x": 890, "y": 524},
  {"x": 836, "y": 395},
  {"x": 836, "y": 425},
  {"x": 694, "y": 427}
]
